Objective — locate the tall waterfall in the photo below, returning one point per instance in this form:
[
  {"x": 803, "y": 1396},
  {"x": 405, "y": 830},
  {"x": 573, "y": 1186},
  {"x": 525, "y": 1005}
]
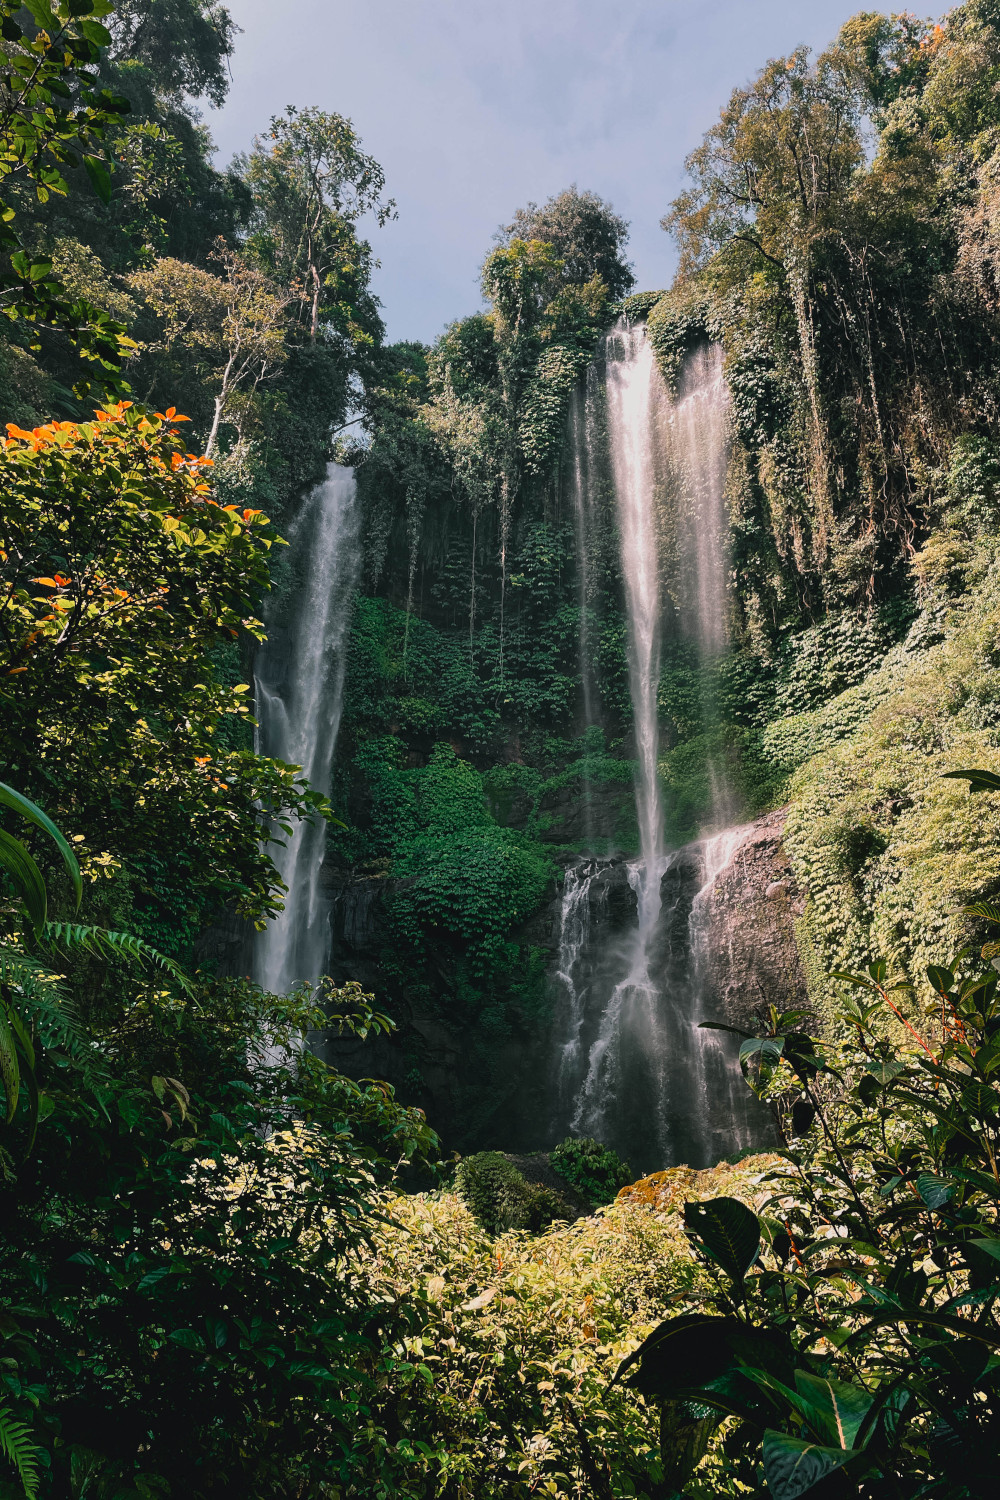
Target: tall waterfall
[
  {"x": 635, "y": 396},
  {"x": 633, "y": 1067},
  {"x": 300, "y": 689}
]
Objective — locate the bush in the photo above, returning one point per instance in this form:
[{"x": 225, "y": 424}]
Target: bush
[
  {"x": 593, "y": 1169},
  {"x": 499, "y": 1198}
]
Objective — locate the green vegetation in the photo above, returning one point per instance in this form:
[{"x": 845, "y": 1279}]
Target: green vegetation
[
  {"x": 594, "y": 1170},
  {"x": 499, "y": 1198},
  {"x": 216, "y": 1273}
]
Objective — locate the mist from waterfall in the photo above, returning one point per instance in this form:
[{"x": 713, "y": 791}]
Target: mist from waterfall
[
  {"x": 633, "y": 1068},
  {"x": 299, "y": 693}
]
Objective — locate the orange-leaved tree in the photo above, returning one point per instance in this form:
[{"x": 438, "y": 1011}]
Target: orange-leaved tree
[{"x": 124, "y": 588}]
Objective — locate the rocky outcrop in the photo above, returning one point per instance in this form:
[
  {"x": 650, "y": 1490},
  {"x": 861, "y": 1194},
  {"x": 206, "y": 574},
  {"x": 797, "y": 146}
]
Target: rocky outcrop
[{"x": 749, "y": 956}]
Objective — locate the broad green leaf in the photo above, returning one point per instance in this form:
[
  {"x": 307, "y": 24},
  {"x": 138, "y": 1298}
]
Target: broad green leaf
[
  {"x": 26, "y": 878},
  {"x": 841, "y": 1408},
  {"x": 979, "y": 1099},
  {"x": 29, "y": 810},
  {"x": 187, "y": 1339},
  {"x": 721, "y": 1026},
  {"x": 885, "y": 1072},
  {"x": 989, "y": 1247},
  {"x": 940, "y": 979},
  {"x": 10, "y": 1071},
  {"x": 729, "y": 1231},
  {"x": 988, "y": 909},
  {"x": 792, "y": 1467},
  {"x": 42, "y": 12},
  {"x": 681, "y": 1353},
  {"x": 934, "y": 1191},
  {"x": 99, "y": 176}
]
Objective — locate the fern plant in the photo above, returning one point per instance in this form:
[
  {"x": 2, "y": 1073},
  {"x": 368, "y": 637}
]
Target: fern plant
[
  {"x": 34, "y": 1006},
  {"x": 16, "y": 1445}
]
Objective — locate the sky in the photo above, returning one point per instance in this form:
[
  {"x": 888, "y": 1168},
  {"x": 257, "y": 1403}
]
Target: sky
[{"x": 476, "y": 107}]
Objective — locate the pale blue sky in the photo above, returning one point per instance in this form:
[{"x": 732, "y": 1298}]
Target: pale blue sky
[{"x": 474, "y": 108}]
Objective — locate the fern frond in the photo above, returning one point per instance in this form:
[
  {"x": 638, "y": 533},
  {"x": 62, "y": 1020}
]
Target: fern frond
[
  {"x": 16, "y": 1444},
  {"x": 103, "y": 943},
  {"x": 43, "y": 1000}
]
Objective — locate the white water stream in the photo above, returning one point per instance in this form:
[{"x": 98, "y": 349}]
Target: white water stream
[
  {"x": 299, "y": 692},
  {"x": 633, "y": 1062}
]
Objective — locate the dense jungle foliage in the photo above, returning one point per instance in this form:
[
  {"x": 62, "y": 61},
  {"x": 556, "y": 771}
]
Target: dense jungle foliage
[{"x": 211, "y": 1278}]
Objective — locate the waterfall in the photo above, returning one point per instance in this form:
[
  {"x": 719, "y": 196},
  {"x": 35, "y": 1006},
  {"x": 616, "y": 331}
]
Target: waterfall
[
  {"x": 571, "y": 975},
  {"x": 638, "y": 1071},
  {"x": 299, "y": 691},
  {"x": 635, "y": 394}
]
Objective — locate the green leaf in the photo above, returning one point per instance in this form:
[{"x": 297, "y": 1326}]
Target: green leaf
[
  {"x": 987, "y": 909},
  {"x": 106, "y": 944},
  {"x": 856, "y": 979},
  {"x": 27, "y": 809},
  {"x": 187, "y": 1339},
  {"x": 978, "y": 779},
  {"x": 839, "y": 1408},
  {"x": 10, "y": 1072},
  {"x": 728, "y": 1230},
  {"x": 26, "y": 878},
  {"x": 934, "y": 1191},
  {"x": 693, "y": 1352},
  {"x": 99, "y": 177},
  {"x": 42, "y": 12},
  {"x": 792, "y": 1466},
  {"x": 940, "y": 979},
  {"x": 979, "y": 1099},
  {"x": 989, "y": 1247}
]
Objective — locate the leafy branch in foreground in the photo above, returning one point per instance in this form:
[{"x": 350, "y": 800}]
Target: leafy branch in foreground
[{"x": 853, "y": 1336}]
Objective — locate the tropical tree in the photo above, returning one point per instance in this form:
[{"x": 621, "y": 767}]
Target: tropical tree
[
  {"x": 121, "y": 578},
  {"x": 311, "y": 184},
  {"x": 54, "y": 117},
  {"x": 230, "y": 328},
  {"x": 585, "y": 233}
]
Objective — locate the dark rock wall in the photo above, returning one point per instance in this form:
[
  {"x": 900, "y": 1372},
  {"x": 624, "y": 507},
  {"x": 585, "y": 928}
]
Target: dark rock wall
[{"x": 752, "y": 960}]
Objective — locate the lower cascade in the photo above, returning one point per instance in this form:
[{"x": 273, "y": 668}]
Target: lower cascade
[
  {"x": 633, "y": 1067},
  {"x": 299, "y": 693}
]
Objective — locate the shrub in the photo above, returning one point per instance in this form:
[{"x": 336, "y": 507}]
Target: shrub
[
  {"x": 499, "y": 1198},
  {"x": 592, "y": 1168}
]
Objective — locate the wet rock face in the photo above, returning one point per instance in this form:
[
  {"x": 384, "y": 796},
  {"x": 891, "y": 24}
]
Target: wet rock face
[{"x": 750, "y": 959}]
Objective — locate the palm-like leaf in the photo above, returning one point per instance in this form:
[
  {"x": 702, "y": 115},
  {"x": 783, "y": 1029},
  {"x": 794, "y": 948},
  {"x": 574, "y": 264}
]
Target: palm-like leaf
[
  {"x": 43, "y": 999},
  {"x": 28, "y": 810}
]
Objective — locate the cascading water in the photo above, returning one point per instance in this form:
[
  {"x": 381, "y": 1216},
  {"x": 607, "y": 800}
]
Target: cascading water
[
  {"x": 699, "y": 451},
  {"x": 642, "y": 1075},
  {"x": 629, "y": 1052},
  {"x": 300, "y": 688}
]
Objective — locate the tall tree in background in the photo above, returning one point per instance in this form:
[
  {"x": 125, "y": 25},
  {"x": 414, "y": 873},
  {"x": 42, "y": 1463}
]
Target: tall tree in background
[
  {"x": 311, "y": 183},
  {"x": 585, "y": 233}
]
